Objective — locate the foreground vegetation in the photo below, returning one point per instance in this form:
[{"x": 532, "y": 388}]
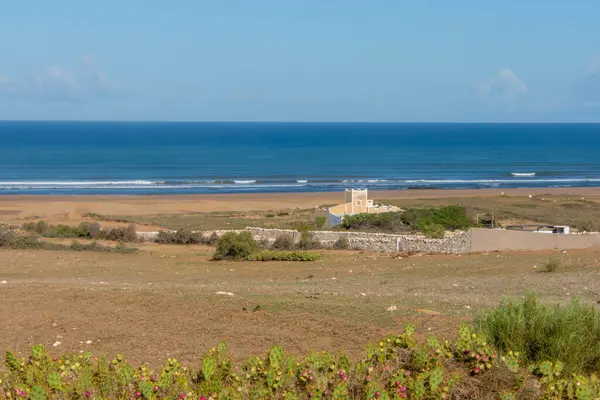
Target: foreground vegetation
[
  {"x": 397, "y": 367},
  {"x": 541, "y": 332}
]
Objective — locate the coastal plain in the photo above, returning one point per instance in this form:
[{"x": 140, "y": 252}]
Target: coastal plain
[{"x": 165, "y": 300}]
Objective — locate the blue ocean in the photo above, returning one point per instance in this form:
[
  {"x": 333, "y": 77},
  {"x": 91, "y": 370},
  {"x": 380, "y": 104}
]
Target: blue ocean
[{"x": 180, "y": 158}]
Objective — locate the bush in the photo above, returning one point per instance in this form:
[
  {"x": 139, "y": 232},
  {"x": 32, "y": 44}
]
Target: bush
[
  {"x": 320, "y": 221},
  {"x": 449, "y": 217},
  {"x": 308, "y": 241},
  {"x": 387, "y": 221},
  {"x": 270, "y": 215},
  {"x": 63, "y": 231},
  {"x": 85, "y": 230},
  {"x": 212, "y": 239},
  {"x": 553, "y": 264},
  {"x": 284, "y": 242},
  {"x": 432, "y": 230},
  {"x": 10, "y": 239},
  {"x": 182, "y": 236},
  {"x": 40, "y": 227},
  {"x": 91, "y": 230},
  {"x": 570, "y": 333},
  {"x": 94, "y": 246},
  {"x": 285, "y": 256},
  {"x": 342, "y": 243},
  {"x": 235, "y": 246},
  {"x": 122, "y": 234}
]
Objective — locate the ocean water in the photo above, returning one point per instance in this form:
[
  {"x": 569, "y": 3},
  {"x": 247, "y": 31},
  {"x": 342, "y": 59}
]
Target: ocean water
[{"x": 179, "y": 158}]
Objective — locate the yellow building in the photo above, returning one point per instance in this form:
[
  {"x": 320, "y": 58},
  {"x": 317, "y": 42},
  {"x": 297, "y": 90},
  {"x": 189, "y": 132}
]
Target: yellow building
[{"x": 356, "y": 201}]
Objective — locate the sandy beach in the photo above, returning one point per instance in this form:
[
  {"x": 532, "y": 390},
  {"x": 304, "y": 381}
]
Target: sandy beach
[{"x": 72, "y": 207}]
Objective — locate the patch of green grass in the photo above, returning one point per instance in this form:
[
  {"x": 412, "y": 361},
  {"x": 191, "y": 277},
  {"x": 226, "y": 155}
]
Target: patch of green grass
[
  {"x": 273, "y": 255},
  {"x": 569, "y": 333}
]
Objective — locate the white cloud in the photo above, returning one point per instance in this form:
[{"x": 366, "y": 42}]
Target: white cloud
[
  {"x": 505, "y": 83},
  {"x": 84, "y": 81}
]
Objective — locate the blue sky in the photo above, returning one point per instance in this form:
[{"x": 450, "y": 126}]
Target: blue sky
[{"x": 280, "y": 60}]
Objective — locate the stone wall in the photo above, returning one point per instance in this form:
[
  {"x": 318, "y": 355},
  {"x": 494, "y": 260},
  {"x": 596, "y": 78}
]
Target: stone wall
[
  {"x": 460, "y": 243},
  {"x": 382, "y": 242},
  {"x": 475, "y": 240},
  {"x": 456, "y": 244}
]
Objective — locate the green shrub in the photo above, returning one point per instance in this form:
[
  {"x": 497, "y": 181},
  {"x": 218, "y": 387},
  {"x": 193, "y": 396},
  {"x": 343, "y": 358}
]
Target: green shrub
[
  {"x": 182, "y": 236},
  {"x": 308, "y": 241},
  {"x": 40, "y": 227},
  {"x": 270, "y": 215},
  {"x": 387, "y": 221},
  {"x": 272, "y": 255},
  {"x": 91, "y": 230},
  {"x": 449, "y": 217},
  {"x": 85, "y": 230},
  {"x": 569, "y": 333},
  {"x": 320, "y": 221},
  {"x": 10, "y": 239},
  {"x": 94, "y": 246},
  {"x": 342, "y": 243},
  {"x": 235, "y": 246},
  {"x": 552, "y": 265},
  {"x": 63, "y": 231},
  {"x": 432, "y": 230},
  {"x": 283, "y": 213},
  {"x": 122, "y": 234},
  {"x": 283, "y": 242}
]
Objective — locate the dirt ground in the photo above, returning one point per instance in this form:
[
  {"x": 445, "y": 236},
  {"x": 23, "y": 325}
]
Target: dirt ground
[{"x": 162, "y": 302}]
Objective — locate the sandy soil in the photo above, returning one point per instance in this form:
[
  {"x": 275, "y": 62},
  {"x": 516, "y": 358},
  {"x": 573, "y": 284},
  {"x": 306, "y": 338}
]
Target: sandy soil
[
  {"x": 162, "y": 302},
  {"x": 58, "y": 208}
]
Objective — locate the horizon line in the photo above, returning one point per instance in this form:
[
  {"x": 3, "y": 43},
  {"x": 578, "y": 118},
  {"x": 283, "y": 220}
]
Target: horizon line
[{"x": 305, "y": 122}]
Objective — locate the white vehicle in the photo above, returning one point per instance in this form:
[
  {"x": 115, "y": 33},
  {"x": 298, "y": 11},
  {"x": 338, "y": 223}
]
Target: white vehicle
[{"x": 559, "y": 229}]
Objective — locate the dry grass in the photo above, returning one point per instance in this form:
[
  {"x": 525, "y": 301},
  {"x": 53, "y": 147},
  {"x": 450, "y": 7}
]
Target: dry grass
[{"x": 225, "y": 220}]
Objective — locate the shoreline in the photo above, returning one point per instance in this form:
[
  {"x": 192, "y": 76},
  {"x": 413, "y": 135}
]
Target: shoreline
[{"x": 20, "y": 206}]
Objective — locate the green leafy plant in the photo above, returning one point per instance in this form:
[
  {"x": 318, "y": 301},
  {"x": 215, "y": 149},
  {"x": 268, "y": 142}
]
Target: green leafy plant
[
  {"x": 432, "y": 230},
  {"x": 396, "y": 367},
  {"x": 320, "y": 221},
  {"x": 235, "y": 246}
]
